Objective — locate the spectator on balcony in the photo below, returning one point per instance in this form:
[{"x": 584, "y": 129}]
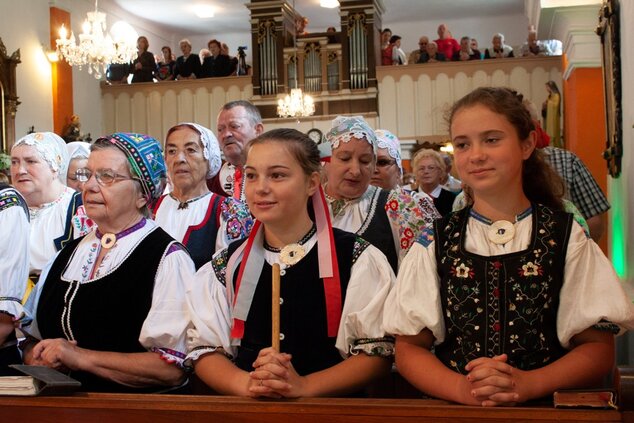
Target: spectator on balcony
[
  {"x": 416, "y": 55},
  {"x": 217, "y": 64},
  {"x": 447, "y": 45},
  {"x": 165, "y": 68},
  {"x": 188, "y": 65},
  {"x": 499, "y": 50},
  {"x": 386, "y": 34},
  {"x": 203, "y": 54},
  {"x": 534, "y": 47},
  {"x": 233, "y": 60},
  {"x": 466, "y": 52},
  {"x": 143, "y": 66},
  {"x": 398, "y": 55},
  {"x": 301, "y": 22},
  {"x": 474, "y": 46},
  {"x": 433, "y": 55}
]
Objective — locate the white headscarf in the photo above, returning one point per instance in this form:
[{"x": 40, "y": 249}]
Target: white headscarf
[
  {"x": 211, "y": 148},
  {"x": 345, "y": 128},
  {"x": 51, "y": 148},
  {"x": 389, "y": 141},
  {"x": 78, "y": 150}
]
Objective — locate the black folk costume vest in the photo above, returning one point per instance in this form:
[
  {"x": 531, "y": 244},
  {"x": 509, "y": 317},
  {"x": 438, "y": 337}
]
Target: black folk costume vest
[
  {"x": 504, "y": 304},
  {"x": 377, "y": 229},
  {"x": 67, "y": 236},
  {"x": 105, "y": 314},
  {"x": 200, "y": 239},
  {"x": 303, "y": 320}
]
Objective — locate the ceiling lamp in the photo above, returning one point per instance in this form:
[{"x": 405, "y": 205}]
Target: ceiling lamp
[
  {"x": 97, "y": 48},
  {"x": 330, "y": 4},
  {"x": 297, "y": 104}
]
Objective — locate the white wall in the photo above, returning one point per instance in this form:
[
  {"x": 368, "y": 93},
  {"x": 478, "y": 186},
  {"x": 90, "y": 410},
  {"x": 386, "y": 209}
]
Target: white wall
[
  {"x": 26, "y": 28},
  {"x": 514, "y": 28}
]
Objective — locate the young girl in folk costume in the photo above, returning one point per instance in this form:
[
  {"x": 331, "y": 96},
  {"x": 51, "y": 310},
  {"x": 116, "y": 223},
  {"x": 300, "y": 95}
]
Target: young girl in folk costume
[
  {"x": 517, "y": 300},
  {"x": 333, "y": 286}
]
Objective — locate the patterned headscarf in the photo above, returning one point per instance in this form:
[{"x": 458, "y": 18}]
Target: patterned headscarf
[
  {"x": 146, "y": 158},
  {"x": 51, "y": 147},
  {"x": 389, "y": 141},
  {"x": 211, "y": 148},
  {"x": 78, "y": 150},
  {"x": 344, "y": 128}
]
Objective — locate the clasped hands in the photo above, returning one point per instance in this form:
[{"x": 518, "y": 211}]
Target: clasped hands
[
  {"x": 59, "y": 353},
  {"x": 275, "y": 377},
  {"x": 493, "y": 382}
]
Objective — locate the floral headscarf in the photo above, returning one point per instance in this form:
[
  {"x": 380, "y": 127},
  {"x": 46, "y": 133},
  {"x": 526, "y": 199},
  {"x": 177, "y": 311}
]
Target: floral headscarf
[{"x": 146, "y": 158}]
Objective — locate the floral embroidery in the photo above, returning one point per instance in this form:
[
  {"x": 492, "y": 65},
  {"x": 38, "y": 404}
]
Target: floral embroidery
[
  {"x": 87, "y": 267},
  {"x": 238, "y": 218},
  {"x": 410, "y": 214},
  {"x": 462, "y": 271},
  {"x": 219, "y": 265},
  {"x": 426, "y": 237},
  {"x": 81, "y": 222},
  {"x": 530, "y": 269}
]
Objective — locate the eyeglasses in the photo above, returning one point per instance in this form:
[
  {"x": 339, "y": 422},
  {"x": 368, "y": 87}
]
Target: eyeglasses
[
  {"x": 104, "y": 177},
  {"x": 430, "y": 168},
  {"x": 384, "y": 162}
]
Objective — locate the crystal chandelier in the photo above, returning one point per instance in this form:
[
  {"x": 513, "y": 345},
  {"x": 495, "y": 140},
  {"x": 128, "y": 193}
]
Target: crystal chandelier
[
  {"x": 97, "y": 48},
  {"x": 297, "y": 104}
]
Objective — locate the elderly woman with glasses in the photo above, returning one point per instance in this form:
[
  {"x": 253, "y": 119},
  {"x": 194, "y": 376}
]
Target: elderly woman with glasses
[
  {"x": 389, "y": 220},
  {"x": 110, "y": 307},
  {"x": 430, "y": 170},
  {"x": 203, "y": 221},
  {"x": 38, "y": 171},
  {"x": 389, "y": 169}
]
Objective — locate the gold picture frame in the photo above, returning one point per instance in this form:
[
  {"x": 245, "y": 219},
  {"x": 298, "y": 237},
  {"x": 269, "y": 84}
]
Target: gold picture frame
[{"x": 609, "y": 31}]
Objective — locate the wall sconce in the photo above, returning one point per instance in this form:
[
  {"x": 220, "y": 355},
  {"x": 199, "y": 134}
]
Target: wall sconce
[{"x": 51, "y": 55}]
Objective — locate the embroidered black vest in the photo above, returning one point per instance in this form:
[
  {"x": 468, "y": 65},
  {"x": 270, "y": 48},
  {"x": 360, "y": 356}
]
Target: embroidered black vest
[
  {"x": 302, "y": 311},
  {"x": 379, "y": 232},
  {"x": 106, "y": 314},
  {"x": 503, "y": 304},
  {"x": 63, "y": 239},
  {"x": 200, "y": 240}
]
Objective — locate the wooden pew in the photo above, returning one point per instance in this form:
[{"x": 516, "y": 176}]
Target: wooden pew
[{"x": 133, "y": 408}]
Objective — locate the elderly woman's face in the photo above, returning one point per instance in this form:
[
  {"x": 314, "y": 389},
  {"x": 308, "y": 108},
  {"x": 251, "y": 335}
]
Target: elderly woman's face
[
  {"x": 350, "y": 169},
  {"x": 386, "y": 174},
  {"x": 185, "y": 48},
  {"x": 428, "y": 173},
  {"x": 30, "y": 173},
  {"x": 71, "y": 179},
  {"x": 186, "y": 165},
  {"x": 116, "y": 206}
]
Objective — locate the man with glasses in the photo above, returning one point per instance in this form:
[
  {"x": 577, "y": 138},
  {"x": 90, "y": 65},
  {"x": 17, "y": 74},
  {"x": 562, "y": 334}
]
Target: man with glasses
[{"x": 416, "y": 55}]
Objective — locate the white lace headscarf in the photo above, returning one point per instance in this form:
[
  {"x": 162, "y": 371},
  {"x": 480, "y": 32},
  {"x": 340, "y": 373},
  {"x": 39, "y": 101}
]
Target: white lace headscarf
[
  {"x": 51, "y": 147},
  {"x": 345, "y": 128},
  {"x": 389, "y": 141},
  {"x": 211, "y": 148}
]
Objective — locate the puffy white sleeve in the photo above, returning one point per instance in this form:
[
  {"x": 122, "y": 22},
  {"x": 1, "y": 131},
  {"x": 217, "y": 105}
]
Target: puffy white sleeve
[
  {"x": 14, "y": 265},
  {"x": 210, "y": 310},
  {"x": 414, "y": 302},
  {"x": 591, "y": 294},
  {"x": 360, "y": 330},
  {"x": 165, "y": 327}
]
